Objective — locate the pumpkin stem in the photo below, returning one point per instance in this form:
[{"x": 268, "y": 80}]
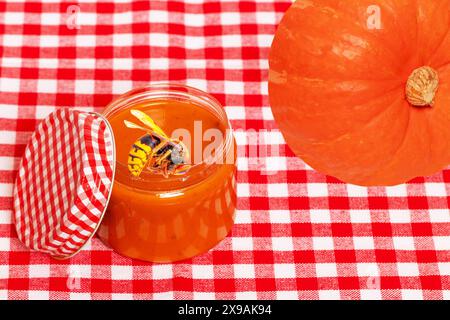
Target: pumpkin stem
[{"x": 421, "y": 87}]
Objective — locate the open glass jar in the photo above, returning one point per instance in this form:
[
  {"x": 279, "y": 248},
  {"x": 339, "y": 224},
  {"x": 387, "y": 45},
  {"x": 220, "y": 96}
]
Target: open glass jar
[{"x": 161, "y": 218}]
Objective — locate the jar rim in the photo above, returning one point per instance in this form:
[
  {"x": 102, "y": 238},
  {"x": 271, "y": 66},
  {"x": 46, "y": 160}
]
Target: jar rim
[{"x": 174, "y": 91}]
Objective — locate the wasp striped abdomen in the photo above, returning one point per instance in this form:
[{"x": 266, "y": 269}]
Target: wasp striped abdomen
[{"x": 140, "y": 154}]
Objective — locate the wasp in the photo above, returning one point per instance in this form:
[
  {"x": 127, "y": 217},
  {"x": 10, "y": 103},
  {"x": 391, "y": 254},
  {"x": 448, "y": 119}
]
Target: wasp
[{"x": 155, "y": 150}]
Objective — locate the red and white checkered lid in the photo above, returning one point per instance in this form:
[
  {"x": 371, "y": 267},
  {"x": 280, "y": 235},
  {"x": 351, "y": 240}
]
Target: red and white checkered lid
[{"x": 64, "y": 182}]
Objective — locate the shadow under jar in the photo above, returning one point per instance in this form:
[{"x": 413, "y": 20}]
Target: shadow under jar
[{"x": 161, "y": 219}]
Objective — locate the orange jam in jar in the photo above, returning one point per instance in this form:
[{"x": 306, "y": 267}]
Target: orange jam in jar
[{"x": 169, "y": 217}]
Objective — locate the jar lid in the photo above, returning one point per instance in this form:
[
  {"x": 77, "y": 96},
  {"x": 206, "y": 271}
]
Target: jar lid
[{"x": 64, "y": 182}]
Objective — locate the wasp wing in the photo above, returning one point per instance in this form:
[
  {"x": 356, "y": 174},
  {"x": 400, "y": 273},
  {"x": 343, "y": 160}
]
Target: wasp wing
[
  {"x": 132, "y": 125},
  {"x": 145, "y": 119}
]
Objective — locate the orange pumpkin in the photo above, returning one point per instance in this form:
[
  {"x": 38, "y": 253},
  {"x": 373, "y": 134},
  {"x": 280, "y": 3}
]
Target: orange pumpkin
[{"x": 361, "y": 88}]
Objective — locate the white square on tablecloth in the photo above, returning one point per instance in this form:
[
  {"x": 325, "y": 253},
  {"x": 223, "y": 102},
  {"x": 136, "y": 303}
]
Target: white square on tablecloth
[
  {"x": 6, "y": 189},
  {"x": 42, "y": 112},
  {"x": 163, "y": 296},
  {"x": 242, "y": 163},
  {"x": 282, "y": 244},
  {"x": 287, "y": 295},
  {"x": 195, "y": 64},
  {"x": 86, "y": 19},
  {"x": 5, "y": 244},
  {"x": 406, "y": 269},
  {"x": 156, "y": 16},
  {"x": 232, "y": 64},
  {"x": 371, "y": 294},
  {"x": 266, "y": 18},
  {"x": 284, "y": 270},
  {"x": 51, "y": 19},
  {"x": 246, "y": 295},
  {"x": 399, "y": 216},
  {"x": 243, "y": 216},
  {"x": 159, "y": 39},
  {"x": 85, "y": 63},
  {"x": 277, "y": 190},
  {"x": 363, "y": 243},
  {"x": 442, "y": 243},
  {"x": 267, "y": 113},
  {"x": 244, "y": 271},
  {"x": 397, "y": 191},
  {"x": 79, "y": 296},
  {"x": 446, "y": 295},
  {"x": 122, "y": 296},
  {"x": 48, "y": 63},
  {"x": 272, "y": 137},
  {"x": 329, "y": 295},
  {"x": 326, "y": 270},
  {"x": 194, "y": 20},
  {"x": 48, "y": 41},
  {"x": 403, "y": 243},
  {"x": 275, "y": 165},
  {"x": 202, "y": 271},
  {"x": 235, "y": 113},
  {"x": 84, "y": 86},
  {"x": 317, "y": 189},
  {"x": 47, "y": 86},
  {"x": 198, "y": 83},
  {"x": 12, "y": 40},
  {"x": 79, "y": 270},
  {"x": 264, "y": 65},
  {"x": 230, "y": 18},
  {"x": 5, "y": 216},
  {"x": 123, "y": 18},
  {"x": 121, "y": 272},
  {"x": 360, "y": 216},
  {"x": 368, "y": 269},
  {"x": 320, "y": 216},
  {"x": 121, "y": 86},
  {"x": 241, "y": 139},
  {"x": 439, "y": 215},
  {"x": 85, "y": 40},
  {"x": 356, "y": 191},
  {"x": 122, "y": 64},
  {"x": 444, "y": 268},
  {"x": 232, "y": 41},
  {"x": 204, "y": 295},
  {"x": 39, "y": 270},
  {"x": 264, "y": 40},
  {"x": 162, "y": 271},
  {"x": 411, "y": 294},
  {"x": 13, "y": 18},
  {"x": 4, "y": 271},
  {"x": 11, "y": 62},
  {"x": 122, "y": 39},
  {"x": 323, "y": 243},
  {"x": 7, "y": 163},
  {"x": 38, "y": 295},
  {"x": 9, "y": 85},
  {"x": 159, "y": 63},
  {"x": 242, "y": 243},
  {"x": 243, "y": 190},
  {"x": 433, "y": 189},
  {"x": 233, "y": 87},
  {"x": 280, "y": 216}
]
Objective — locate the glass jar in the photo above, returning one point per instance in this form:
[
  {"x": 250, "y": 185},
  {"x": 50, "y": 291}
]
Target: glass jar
[{"x": 169, "y": 218}]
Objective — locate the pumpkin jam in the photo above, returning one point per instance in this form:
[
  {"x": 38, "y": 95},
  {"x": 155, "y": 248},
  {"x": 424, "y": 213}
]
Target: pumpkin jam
[{"x": 161, "y": 219}]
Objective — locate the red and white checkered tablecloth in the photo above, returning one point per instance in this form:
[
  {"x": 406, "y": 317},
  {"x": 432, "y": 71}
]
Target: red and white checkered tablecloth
[{"x": 298, "y": 233}]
